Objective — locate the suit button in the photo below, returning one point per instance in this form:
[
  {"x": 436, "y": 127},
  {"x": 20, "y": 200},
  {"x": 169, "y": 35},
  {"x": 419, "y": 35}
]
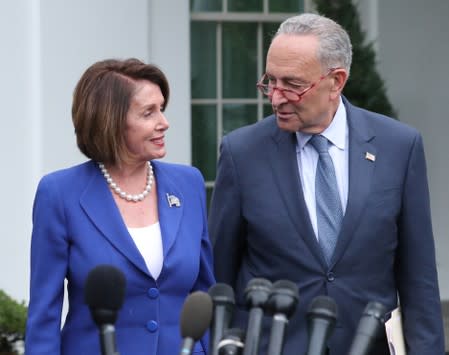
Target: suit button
[
  {"x": 330, "y": 276},
  {"x": 153, "y": 293},
  {"x": 152, "y": 326}
]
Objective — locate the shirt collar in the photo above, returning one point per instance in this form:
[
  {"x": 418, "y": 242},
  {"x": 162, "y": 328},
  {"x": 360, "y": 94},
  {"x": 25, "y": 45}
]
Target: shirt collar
[{"x": 335, "y": 132}]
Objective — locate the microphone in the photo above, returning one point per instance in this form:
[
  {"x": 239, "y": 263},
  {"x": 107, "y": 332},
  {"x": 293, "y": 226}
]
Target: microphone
[
  {"x": 196, "y": 315},
  {"x": 223, "y": 300},
  {"x": 232, "y": 342},
  {"x": 368, "y": 329},
  {"x": 321, "y": 319},
  {"x": 104, "y": 293},
  {"x": 256, "y": 296},
  {"x": 281, "y": 303}
]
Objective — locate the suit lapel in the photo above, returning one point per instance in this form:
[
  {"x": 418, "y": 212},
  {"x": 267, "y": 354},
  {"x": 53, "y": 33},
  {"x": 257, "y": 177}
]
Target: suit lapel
[
  {"x": 99, "y": 205},
  {"x": 170, "y": 213},
  {"x": 360, "y": 177},
  {"x": 285, "y": 170}
]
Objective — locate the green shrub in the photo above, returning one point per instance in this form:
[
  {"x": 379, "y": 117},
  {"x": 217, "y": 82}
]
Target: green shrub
[{"x": 12, "y": 322}]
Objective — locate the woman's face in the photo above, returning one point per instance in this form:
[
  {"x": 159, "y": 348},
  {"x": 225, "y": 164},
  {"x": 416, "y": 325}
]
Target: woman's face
[{"x": 146, "y": 123}]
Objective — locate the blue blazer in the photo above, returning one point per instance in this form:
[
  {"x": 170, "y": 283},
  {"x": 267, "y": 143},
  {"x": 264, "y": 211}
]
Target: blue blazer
[
  {"x": 260, "y": 227},
  {"x": 77, "y": 225}
]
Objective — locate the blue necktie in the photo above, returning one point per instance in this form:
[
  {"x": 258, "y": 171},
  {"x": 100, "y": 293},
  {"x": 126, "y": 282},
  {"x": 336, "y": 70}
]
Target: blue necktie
[{"x": 328, "y": 206}]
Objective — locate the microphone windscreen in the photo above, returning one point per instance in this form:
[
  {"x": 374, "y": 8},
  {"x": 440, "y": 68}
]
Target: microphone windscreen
[
  {"x": 283, "y": 298},
  {"x": 258, "y": 283},
  {"x": 105, "y": 288},
  {"x": 104, "y": 293},
  {"x": 285, "y": 284},
  {"x": 285, "y": 287},
  {"x": 257, "y": 291},
  {"x": 222, "y": 294},
  {"x": 369, "y": 328},
  {"x": 323, "y": 307},
  {"x": 196, "y": 315}
]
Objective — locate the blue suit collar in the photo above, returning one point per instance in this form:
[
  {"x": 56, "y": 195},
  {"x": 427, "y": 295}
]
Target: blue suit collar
[
  {"x": 360, "y": 174},
  {"x": 99, "y": 205},
  {"x": 285, "y": 169}
]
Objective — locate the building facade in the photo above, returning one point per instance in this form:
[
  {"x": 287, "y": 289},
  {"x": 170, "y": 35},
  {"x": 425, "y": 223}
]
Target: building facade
[{"x": 48, "y": 44}]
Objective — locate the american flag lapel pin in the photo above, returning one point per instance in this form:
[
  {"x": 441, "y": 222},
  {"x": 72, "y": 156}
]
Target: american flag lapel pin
[
  {"x": 173, "y": 201},
  {"x": 370, "y": 157}
]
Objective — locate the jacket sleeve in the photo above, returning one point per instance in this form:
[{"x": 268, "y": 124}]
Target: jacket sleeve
[
  {"x": 416, "y": 266},
  {"x": 49, "y": 259},
  {"x": 226, "y": 224},
  {"x": 206, "y": 276},
  {"x": 206, "y": 272}
]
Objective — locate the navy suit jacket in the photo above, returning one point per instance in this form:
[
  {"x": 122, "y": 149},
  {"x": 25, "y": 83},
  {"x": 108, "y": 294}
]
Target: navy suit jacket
[
  {"x": 77, "y": 225},
  {"x": 260, "y": 227}
]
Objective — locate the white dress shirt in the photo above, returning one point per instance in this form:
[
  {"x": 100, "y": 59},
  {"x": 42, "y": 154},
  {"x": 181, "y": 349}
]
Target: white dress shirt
[{"x": 337, "y": 134}]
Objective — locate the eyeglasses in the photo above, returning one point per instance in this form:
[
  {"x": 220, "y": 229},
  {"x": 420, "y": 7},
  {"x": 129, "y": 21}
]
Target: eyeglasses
[{"x": 267, "y": 88}]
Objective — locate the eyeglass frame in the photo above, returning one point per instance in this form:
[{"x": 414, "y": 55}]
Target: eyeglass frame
[{"x": 300, "y": 95}]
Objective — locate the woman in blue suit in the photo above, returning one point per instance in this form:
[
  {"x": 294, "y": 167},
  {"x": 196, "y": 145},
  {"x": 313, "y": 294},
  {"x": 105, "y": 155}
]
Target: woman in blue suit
[{"x": 121, "y": 208}]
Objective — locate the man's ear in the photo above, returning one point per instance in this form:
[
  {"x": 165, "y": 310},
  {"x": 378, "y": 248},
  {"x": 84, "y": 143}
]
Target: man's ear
[{"x": 339, "y": 77}]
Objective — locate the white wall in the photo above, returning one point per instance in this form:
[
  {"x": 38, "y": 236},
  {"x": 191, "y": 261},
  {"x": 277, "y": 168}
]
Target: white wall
[
  {"x": 170, "y": 48},
  {"x": 18, "y": 108},
  {"x": 75, "y": 34},
  {"x": 46, "y": 46},
  {"x": 413, "y": 56}
]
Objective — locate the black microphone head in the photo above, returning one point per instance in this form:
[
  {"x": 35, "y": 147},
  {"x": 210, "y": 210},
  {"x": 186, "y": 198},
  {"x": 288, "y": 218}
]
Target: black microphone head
[
  {"x": 376, "y": 310},
  {"x": 222, "y": 294},
  {"x": 104, "y": 293},
  {"x": 323, "y": 307},
  {"x": 283, "y": 298},
  {"x": 321, "y": 320},
  {"x": 369, "y": 328},
  {"x": 257, "y": 291},
  {"x": 196, "y": 315}
]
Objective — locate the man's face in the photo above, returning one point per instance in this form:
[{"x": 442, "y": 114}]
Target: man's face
[{"x": 292, "y": 63}]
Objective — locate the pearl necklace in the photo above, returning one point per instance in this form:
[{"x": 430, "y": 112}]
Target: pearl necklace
[{"x": 123, "y": 194}]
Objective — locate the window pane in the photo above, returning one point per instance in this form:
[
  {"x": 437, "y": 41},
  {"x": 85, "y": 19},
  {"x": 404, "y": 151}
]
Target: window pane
[
  {"x": 267, "y": 110},
  {"x": 238, "y": 115},
  {"x": 209, "y": 191},
  {"x": 269, "y": 30},
  {"x": 245, "y": 5},
  {"x": 286, "y": 6},
  {"x": 239, "y": 60},
  {"x": 203, "y": 60},
  {"x": 204, "y": 139},
  {"x": 205, "y": 5}
]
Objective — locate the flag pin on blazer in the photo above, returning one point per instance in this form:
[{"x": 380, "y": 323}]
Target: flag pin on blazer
[
  {"x": 173, "y": 201},
  {"x": 369, "y": 156}
]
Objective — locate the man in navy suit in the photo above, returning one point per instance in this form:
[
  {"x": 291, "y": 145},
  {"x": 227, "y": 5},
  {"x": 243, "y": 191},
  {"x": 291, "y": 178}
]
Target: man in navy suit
[{"x": 265, "y": 221}]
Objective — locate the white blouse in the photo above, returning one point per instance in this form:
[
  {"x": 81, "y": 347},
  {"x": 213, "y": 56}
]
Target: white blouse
[{"x": 149, "y": 242}]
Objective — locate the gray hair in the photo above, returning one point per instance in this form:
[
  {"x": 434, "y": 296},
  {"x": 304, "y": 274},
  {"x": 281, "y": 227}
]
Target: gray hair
[{"x": 334, "y": 49}]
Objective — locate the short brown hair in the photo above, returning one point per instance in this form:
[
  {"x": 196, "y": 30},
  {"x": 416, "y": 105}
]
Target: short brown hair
[{"x": 101, "y": 102}]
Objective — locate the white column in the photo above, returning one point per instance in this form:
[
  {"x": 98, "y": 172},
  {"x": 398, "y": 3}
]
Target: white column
[{"x": 20, "y": 116}]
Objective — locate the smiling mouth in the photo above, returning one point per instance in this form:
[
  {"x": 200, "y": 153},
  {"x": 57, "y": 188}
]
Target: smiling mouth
[{"x": 159, "y": 140}]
